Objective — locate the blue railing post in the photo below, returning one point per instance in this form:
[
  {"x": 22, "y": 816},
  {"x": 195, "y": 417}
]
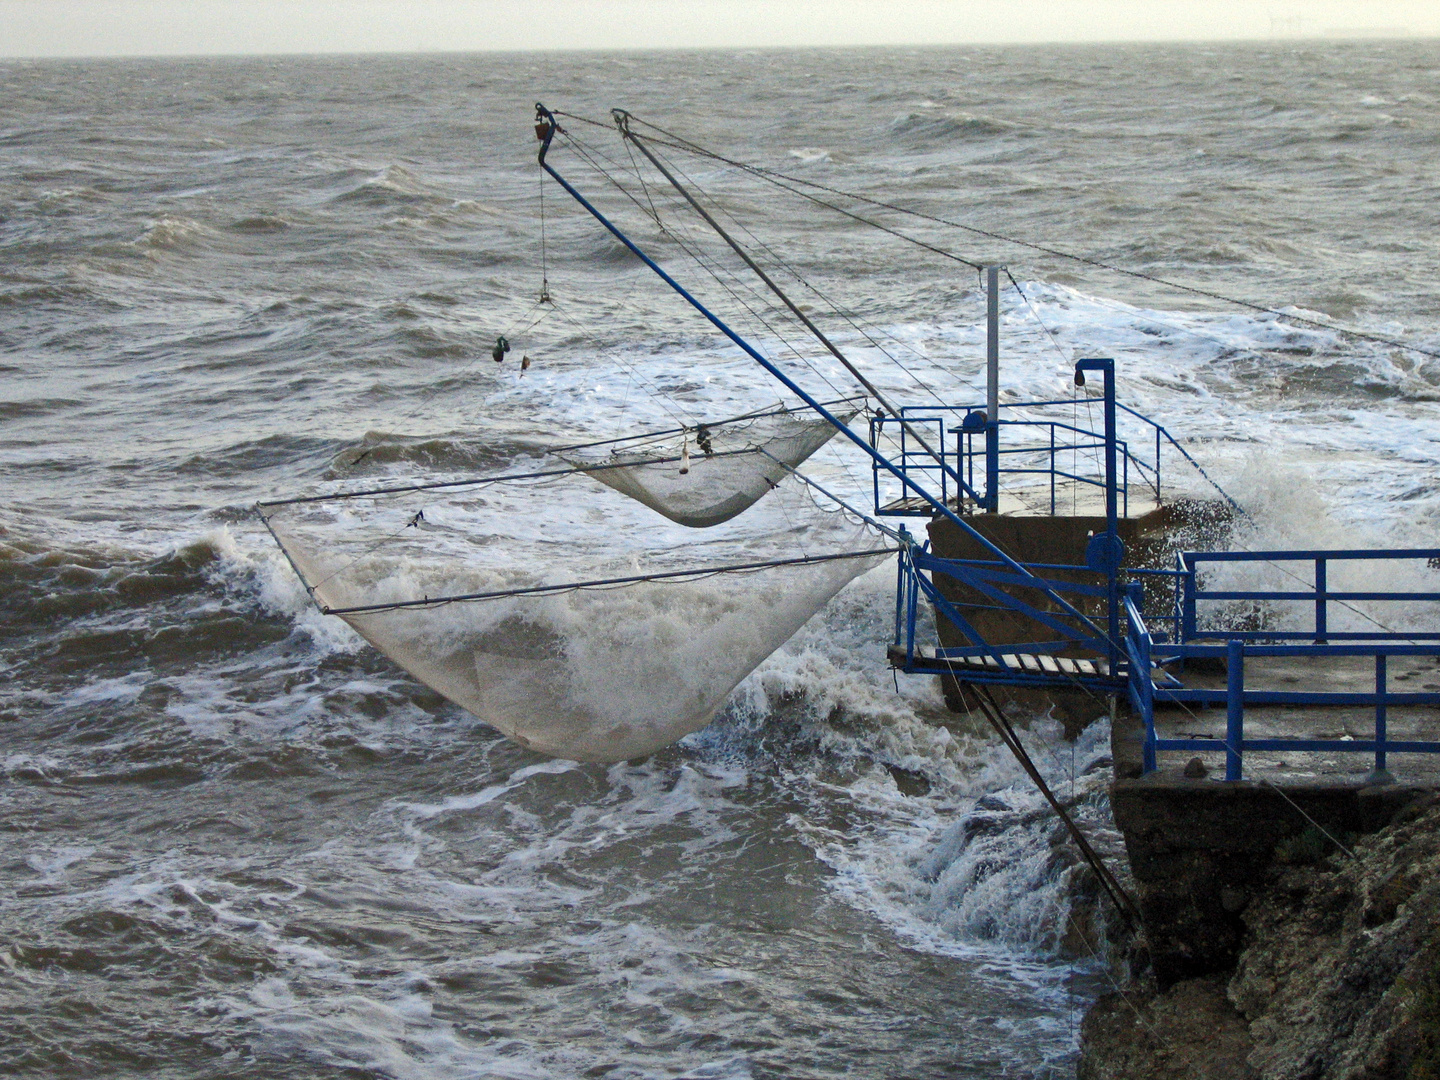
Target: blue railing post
[
  {"x": 1052, "y": 470},
  {"x": 913, "y": 604},
  {"x": 875, "y": 475},
  {"x": 1187, "y": 610},
  {"x": 1381, "y": 775},
  {"x": 1141, "y": 676},
  {"x": 944, "y": 478},
  {"x": 1125, "y": 483},
  {"x": 1157, "y": 464},
  {"x": 1320, "y": 587},
  {"x": 1235, "y": 708},
  {"x": 899, "y": 594}
]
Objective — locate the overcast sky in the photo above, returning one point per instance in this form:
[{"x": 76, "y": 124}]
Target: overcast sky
[{"x": 154, "y": 27}]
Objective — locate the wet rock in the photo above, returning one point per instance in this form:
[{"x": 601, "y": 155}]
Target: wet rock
[
  {"x": 1337, "y": 977},
  {"x": 1190, "y": 1032},
  {"x": 908, "y": 781}
]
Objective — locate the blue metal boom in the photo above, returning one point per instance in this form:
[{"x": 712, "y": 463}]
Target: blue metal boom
[{"x": 546, "y": 128}]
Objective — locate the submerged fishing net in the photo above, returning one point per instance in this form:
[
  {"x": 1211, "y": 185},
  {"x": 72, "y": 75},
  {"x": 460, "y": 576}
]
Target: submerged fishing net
[
  {"x": 596, "y": 673},
  {"x": 706, "y": 476}
]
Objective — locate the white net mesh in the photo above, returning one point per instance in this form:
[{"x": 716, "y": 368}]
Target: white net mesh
[
  {"x": 680, "y": 479},
  {"x": 597, "y": 674}
]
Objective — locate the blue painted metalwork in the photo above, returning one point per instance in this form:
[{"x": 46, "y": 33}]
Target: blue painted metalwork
[
  {"x": 1136, "y": 663},
  {"x": 958, "y": 441},
  {"x": 1234, "y": 708},
  {"x": 990, "y": 579},
  {"x": 1113, "y": 550},
  {"x": 1192, "y": 642}
]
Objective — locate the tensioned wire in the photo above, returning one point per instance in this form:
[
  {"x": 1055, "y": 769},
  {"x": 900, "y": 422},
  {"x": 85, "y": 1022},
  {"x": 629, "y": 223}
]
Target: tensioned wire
[
  {"x": 682, "y": 145},
  {"x": 774, "y": 176},
  {"x": 856, "y": 322},
  {"x": 771, "y": 176},
  {"x": 785, "y": 180},
  {"x": 678, "y": 413},
  {"x": 546, "y": 478},
  {"x": 789, "y": 304},
  {"x": 573, "y": 141},
  {"x": 724, "y": 276},
  {"x": 977, "y": 266},
  {"x": 748, "y": 283},
  {"x": 719, "y": 279},
  {"x": 601, "y": 584},
  {"x": 425, "y": 401},
  {"x": 692, "y": 249},
  {"x": 475, "y": 481},
  {"x": 757, "y": 270},
  {"x": 747, "y": 419}
]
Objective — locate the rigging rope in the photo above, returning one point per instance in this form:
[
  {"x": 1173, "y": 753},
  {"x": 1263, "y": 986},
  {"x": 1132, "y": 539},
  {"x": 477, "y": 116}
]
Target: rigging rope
[
  {"x": 774, "y": 177},
  {"x": 415, "y": 410},
  {"x": 1124, "y": 904},
  {"x": 648, "y": 435},
  {"x": 622, "y": 121},
  {"x": 588, "y": 154},
  {"x": 805, "y": 283}
]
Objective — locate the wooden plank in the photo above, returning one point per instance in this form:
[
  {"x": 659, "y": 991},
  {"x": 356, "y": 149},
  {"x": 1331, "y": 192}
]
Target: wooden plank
[
  {"x": 1048, "y": 663},
  {"x": 1028, "y": 662}
]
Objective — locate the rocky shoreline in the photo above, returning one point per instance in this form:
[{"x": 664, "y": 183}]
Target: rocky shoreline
[{"x": 1337, "y": 976}]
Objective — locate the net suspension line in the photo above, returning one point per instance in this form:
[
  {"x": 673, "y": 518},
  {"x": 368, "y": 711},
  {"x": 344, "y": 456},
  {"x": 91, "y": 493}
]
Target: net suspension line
[
  {"x": 622, "y": 122},
  {"x": 552, "y": 126},
  {"x": 857, "y": 323},
  {"x": 722, "y": 276},
  {"x": 775, "y": 177}
]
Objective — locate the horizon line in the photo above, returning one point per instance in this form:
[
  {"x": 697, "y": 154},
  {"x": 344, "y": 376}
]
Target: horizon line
[{"x": 1342, "y": 36}]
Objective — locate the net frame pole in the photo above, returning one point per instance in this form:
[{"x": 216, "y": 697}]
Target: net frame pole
[{"x": 598, "y": 583}]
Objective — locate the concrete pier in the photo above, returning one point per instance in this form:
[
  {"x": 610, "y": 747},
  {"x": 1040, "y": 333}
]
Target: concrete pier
[{"x": 1199, "y": 846}]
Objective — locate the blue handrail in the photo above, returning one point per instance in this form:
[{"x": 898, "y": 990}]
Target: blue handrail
[
  {"x": 972, "y": 441},
  {"x": 1194, "y": 641}
]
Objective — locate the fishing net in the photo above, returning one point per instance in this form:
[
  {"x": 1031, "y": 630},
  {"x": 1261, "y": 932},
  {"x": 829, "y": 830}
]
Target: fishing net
[
  {"x": 599, "y": 673},
  {"x": 705, "y": 476}
]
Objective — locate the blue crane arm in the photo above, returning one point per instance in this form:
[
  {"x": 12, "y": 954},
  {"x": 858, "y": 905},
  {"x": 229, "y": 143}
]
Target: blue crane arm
[{"x": 545, "y": 128}]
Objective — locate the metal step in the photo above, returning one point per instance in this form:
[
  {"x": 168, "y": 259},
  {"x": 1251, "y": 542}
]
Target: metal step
[{"x": 1060, "y": 668}]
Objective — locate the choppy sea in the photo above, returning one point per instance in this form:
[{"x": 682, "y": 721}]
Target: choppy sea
[{"x": 238, "y": 842}]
